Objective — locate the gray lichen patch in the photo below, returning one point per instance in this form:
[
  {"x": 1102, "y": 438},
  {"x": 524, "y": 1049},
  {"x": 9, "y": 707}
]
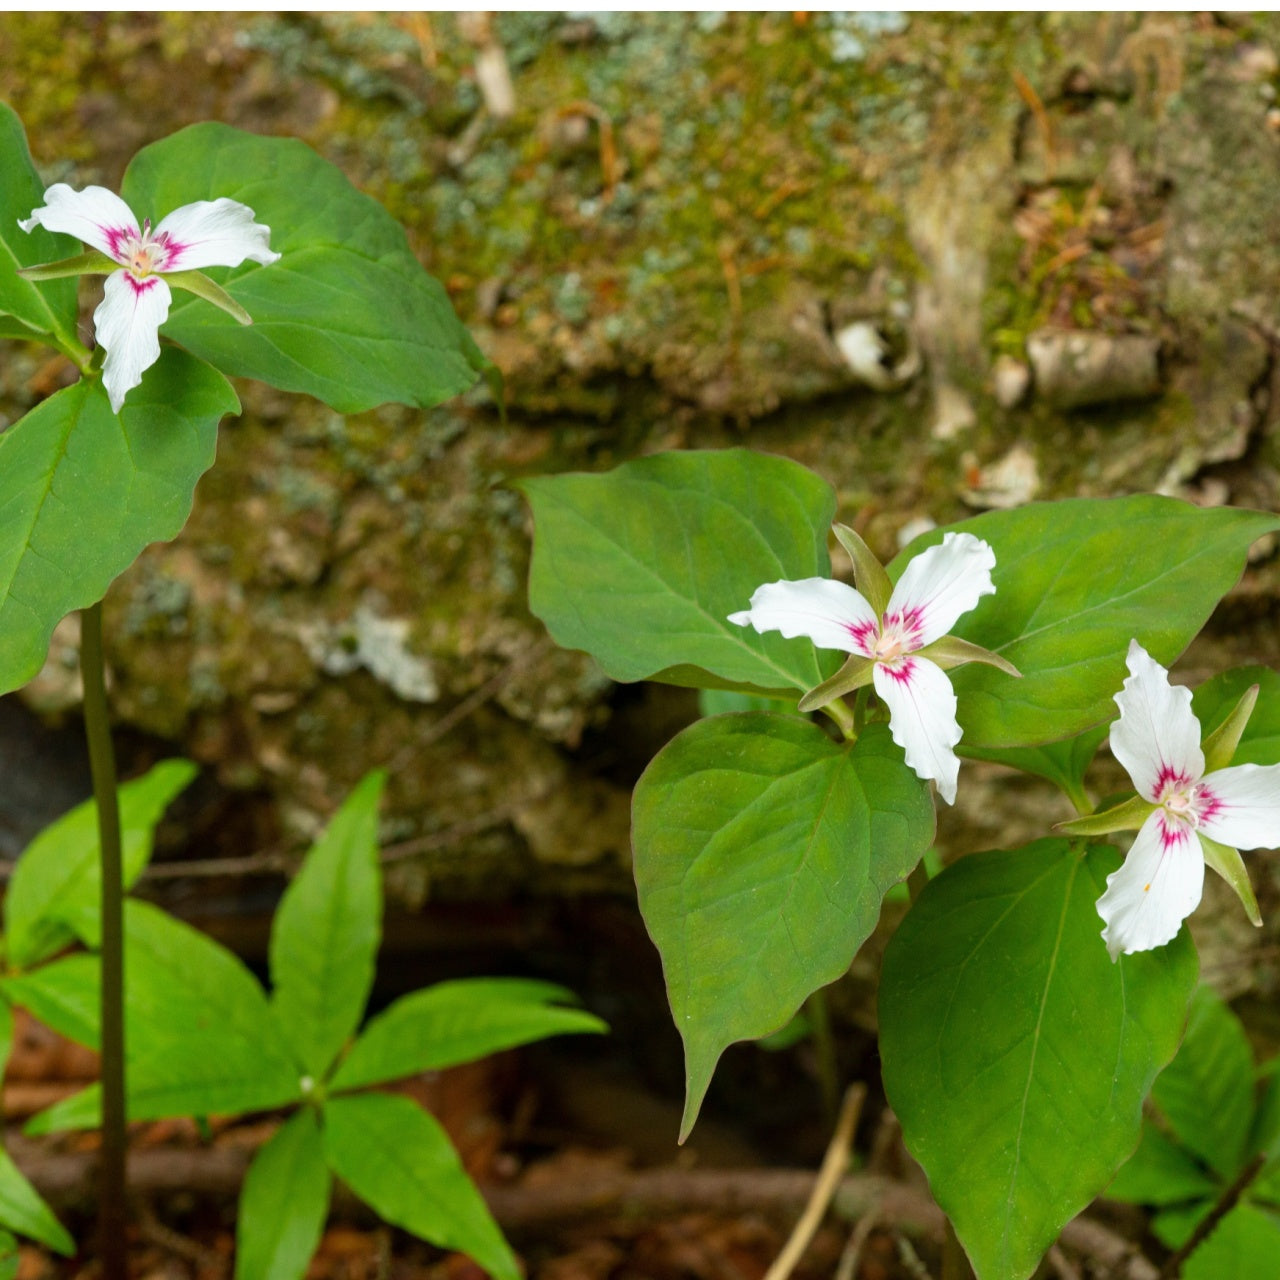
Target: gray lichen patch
[{"x": 375, "y": 644}]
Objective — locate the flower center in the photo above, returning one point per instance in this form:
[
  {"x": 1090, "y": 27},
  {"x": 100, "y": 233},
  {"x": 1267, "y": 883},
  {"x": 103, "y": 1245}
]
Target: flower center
[
  {"x": 1184, "y": 802},
  {"x": 140, "y": 261},
  {"x": 890, "y": 646}
]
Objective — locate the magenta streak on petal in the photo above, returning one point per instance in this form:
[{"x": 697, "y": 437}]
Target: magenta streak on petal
[
  {"x": 171, "y": 251},
  {"x": 139, "y": 287},
  {"x": 1169, "y": 780},
  {"x": 900, "y": 670},
  {"x": 1208, "y": 804},
  {"x": 863, "y": 634},
  {"x": 1172, "y": 833},
  {"x": 117, "y": 239}
]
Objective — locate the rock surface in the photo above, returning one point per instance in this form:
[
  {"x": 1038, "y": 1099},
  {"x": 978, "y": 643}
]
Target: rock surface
[{"x": 828, "y": 236}]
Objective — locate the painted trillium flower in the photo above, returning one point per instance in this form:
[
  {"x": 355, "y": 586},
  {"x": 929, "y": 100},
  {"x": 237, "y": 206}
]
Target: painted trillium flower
[
  {"x": 896, "y": 636},
  {"x": 1190, "y": 809},
  {"x": 137, "y": 260}
]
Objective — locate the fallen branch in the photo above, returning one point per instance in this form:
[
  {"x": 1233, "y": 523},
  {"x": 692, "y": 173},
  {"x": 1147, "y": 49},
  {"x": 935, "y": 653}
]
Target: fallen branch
[{"x": 66, "y": 1178}]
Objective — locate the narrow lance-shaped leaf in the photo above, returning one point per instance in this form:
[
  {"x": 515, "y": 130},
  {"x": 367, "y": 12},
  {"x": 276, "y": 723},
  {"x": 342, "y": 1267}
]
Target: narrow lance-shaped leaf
[
  {"x": 283, "y": 1203},
  {"x": 400, "y": 1162},
  {"x": 642, "y": 566},
  {"x": 82, "y": 492},
  {"x": 54, "y": 893},
  {"x": 763, "y": 850},
  {"x": 347, "y": 314},
  {"x": 65, "y": 994},
  {"x": 1006, "y": 1032},
  {"x": 456, "y": 1022},
  {"x": 199, "y": 1034},
  {"x": 324, "y": 939},
  {"x": 1071, "y": 595}
]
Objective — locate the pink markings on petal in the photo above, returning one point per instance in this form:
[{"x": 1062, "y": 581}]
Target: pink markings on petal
[
  {"x": 139, "y": 286},
  {"x": 170, "y": 251},
  {"x": 119, "y": 241},
  {"x": 1170, "y": 780},
  {"x": 1208, "y": 804},
  {"x": 863, "y": 634},
  {"x": 1172, "y": 833},
  {"x": 899, "y": 671}
]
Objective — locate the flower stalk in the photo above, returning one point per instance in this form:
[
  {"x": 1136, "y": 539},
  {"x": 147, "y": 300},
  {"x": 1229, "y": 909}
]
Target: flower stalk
[{"x": 102, "y": 766}]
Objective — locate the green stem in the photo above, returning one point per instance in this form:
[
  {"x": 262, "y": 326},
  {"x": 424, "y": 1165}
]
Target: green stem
[
  {"x": 825, "y": 1045},
  {"x": 102, "y": 766},
  {"x": 840, "y": 713},
  {"x": 1079, "y": 798}
]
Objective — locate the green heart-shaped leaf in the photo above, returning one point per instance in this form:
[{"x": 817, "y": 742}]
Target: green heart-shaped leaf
[
  {"x": 763, "y": 850},
  {"x": 82, "y": 491},
  {"x": 641, "y": 566},
  {"x": 347, "y": 315},
  {"x": 1015, "y": 1054},
  {"x": 1071, "y": 592},
  {"x": 46, "y": 308}
]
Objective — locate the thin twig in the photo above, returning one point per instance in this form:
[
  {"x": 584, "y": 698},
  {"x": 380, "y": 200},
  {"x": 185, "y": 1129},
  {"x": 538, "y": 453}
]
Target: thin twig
[
  {"x": 847, "y": 1267},
  {"x": 1222, "y": 1206},
  {"x": 834, "y": 1165}
]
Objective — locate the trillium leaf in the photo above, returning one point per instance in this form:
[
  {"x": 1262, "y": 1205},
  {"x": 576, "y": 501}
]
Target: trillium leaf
[
  {"x": 83, "y": 491},
  {"x": 1206, "y": 1092},
  {"x": 1161, "y": 1172},
  {"x": 283, "y": 1203},
  {"x": 400, "y": 1162},
  {"x": 1214, "y": 701},
  {"x": 347, "y": 314},
  {"x": 48, "y": 308},
  {"x": 1244, "y": 1245},
  {"x": 324, "y": 939},
  {"x": 641, "y": 566},
  {"x": 1071, "y": 594},
  {"x": 1063, "y": 763},
  {"x": 54, "y": 893},
  {"x": 763, "y": 850},
  {"x": 1006, "y": 1032}
]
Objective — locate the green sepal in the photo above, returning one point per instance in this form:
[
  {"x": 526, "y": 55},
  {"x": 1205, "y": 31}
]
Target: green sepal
[
  {"x": 93, "y": 262},
  {"x": 868, "y": 573},
  {"x": 1124, "y": 817},
  {"x": 951, "y": 651},
  {"x": 198, "y": 283},
  {"x": 855, "y": 673},
  {"x": 1228, "y": 863},
  {"x": 1221, "y": 744}
]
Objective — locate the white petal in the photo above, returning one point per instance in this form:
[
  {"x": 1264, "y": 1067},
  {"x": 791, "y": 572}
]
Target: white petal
[
  {"x": 1157, "y": 737},
  {"x": 1156, "y": 889},
  {"x": 922, "y": 718},
  {"x": 126, "y": 324},
  {"x": 95, "y": 216},
  {"x": 832, "y": 614},
  {"x": 939, "y": 585},
  {"x": 1243, "y": 806},
  {"x": 212, "y": 233}
]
